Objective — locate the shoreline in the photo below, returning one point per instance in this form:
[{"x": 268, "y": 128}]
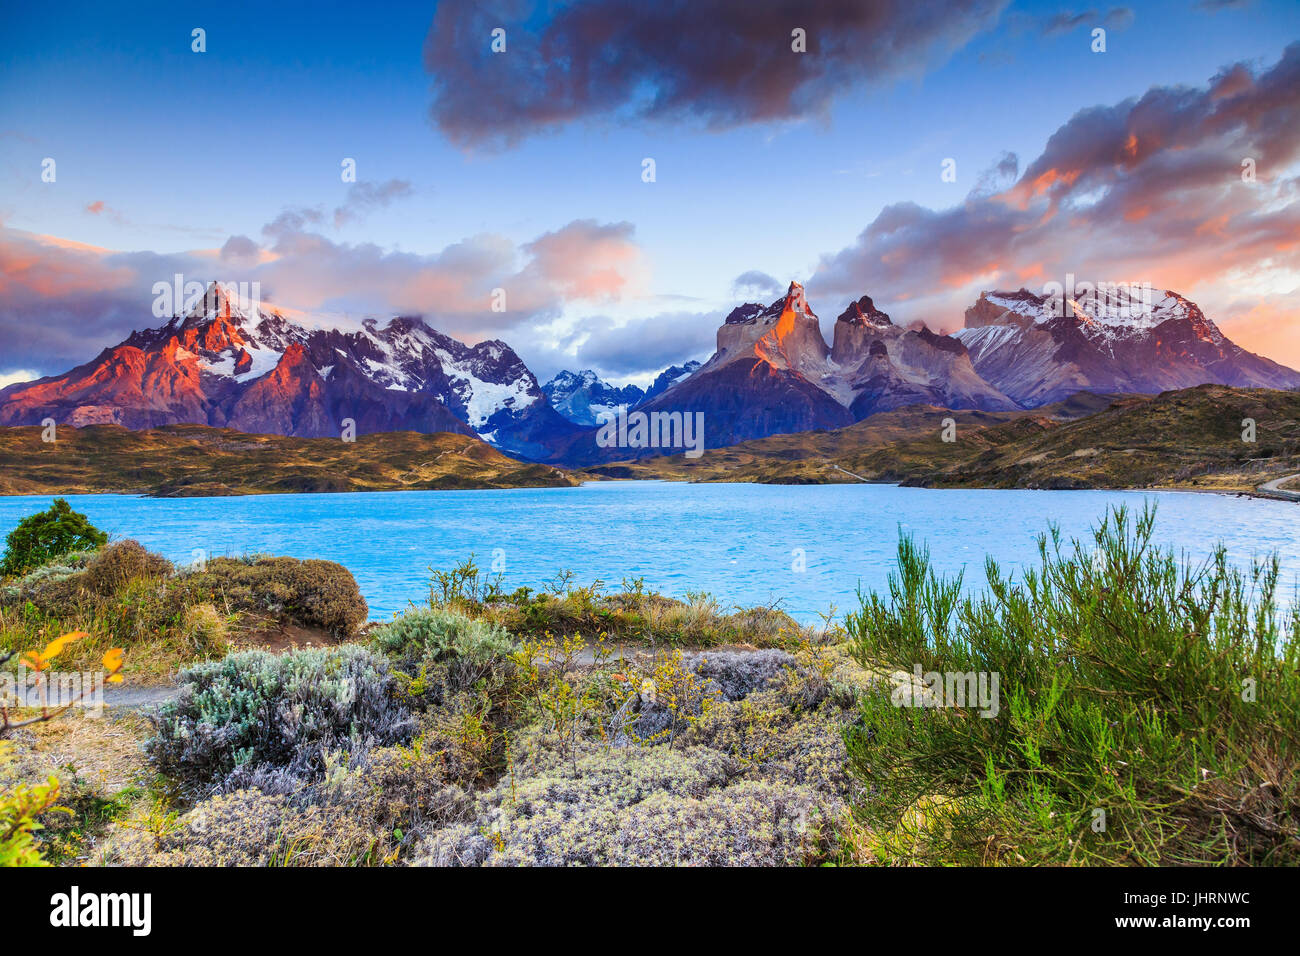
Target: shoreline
[{"x": 1262, "y": 492}]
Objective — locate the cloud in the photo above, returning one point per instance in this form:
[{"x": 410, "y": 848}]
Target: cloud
[
  {"x": 63, "y": 302},
  {"x": 640, "y": 347},
  {"x": 364, "y": 197},
  {"x": 240, "y": 250},
  {"x": 361, "y": 200},
  {"x": 670, "y": 60},
  {"x": 17, "y": 375},
  {"x": 755, "y": 283},
  {"x": 1117, "y": 18},
  {"x": 1149, "y": 189},
  {"x": 586, "y": 259},
  {"x": 101, "y": 208}
]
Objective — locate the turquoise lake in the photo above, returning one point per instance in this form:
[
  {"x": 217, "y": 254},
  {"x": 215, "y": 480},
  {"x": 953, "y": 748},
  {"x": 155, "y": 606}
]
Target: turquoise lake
[{"x": 740, "y": 542}]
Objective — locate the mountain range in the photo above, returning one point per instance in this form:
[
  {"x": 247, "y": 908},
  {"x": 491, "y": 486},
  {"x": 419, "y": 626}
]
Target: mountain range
[
  {"x": 239, "y": 365},
  {"x": 583, "y": 397}
]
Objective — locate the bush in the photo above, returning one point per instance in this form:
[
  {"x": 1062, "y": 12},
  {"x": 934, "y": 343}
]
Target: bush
[
  {"x": 445, "y": 653},
  {"x": 204, "y": 629},
  {"x": 1148, "y": 710},
  {"x": 46, "y": 536},
  {"x": 255, "y": 711},
  {"x": 121, "y": 563},
  {"x": 736, "y": 674},
  {"x": 440, "y": 634},
  {"x": 312, "y": 593},
  {"x": 634, "y": 807},
  {"x": 251, "y": 828}
]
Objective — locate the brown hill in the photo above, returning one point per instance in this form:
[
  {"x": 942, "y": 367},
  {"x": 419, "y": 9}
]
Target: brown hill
[
  {"x": 197, "y": 460},
  {"x": 1190, "y": 438}
]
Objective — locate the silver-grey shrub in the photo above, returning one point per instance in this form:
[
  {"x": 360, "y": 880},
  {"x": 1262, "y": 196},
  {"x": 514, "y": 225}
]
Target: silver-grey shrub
[
  {"x": 256, "y": 716},
  {"x": 635, "y": 807}
]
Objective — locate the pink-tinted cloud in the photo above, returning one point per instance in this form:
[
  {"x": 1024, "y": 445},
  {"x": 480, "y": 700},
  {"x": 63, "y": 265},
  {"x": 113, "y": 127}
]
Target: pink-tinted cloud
[
  {"x": 1150, "y": 189},
  {"x": 63, "y": 301}
]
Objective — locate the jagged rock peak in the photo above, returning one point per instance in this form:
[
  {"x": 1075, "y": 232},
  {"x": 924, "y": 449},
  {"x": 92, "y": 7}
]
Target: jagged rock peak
[
  {"x": 864, "y": 312},
  {"x": 741, "y": 314}
]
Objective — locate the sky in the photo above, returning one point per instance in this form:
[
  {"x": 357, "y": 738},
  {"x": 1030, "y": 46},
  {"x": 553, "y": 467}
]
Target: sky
[{"x": 918, "y": 152}]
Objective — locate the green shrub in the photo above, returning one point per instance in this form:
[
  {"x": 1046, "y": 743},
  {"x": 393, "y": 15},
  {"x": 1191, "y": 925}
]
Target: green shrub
[
  {"x": 442, "y": 634},
  {"x": 46, "y": 536},
  {"x": 258, "y": 716},
  {"x": 1148, "y": 710},
  {"x": 444, "y": 653},
  {"x": 312, "y": 593},
  {"x": 20, "y": 808}
]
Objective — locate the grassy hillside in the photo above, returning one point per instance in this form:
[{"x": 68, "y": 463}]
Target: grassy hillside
[
  {"x": 193, "y": 460},
  {"x": 1191, "y": 438}
]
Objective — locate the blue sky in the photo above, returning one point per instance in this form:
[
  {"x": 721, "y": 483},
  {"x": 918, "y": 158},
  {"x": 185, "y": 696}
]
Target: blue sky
[{"x": 186, "y": 150}]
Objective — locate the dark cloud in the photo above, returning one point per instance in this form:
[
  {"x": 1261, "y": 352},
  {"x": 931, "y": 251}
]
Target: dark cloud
[
  {"x": 720, "y": 62},
  {"x": 1117, "y": 18},
  {"x": 755, "y": 283},
  {"x": 1153, "y": 185}
]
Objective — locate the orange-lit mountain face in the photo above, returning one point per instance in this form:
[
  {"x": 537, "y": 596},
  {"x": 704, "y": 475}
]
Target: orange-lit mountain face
[
  {"x": 248, "y": 367},
  {"x": 773, "y": 371}
]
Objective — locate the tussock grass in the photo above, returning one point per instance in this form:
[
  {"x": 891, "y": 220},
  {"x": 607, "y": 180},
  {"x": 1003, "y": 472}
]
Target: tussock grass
[{"x": 592, "y": 612}]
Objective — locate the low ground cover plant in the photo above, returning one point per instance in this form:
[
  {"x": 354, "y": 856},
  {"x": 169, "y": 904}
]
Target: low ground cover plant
[{"x": 629, "y": 613}]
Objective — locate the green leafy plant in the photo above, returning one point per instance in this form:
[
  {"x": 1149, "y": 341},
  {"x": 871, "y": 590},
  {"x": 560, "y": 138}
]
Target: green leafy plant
[{"x": 20, "y": 807}]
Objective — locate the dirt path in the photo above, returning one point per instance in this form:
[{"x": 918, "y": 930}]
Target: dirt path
[
  {"x": 849, "y": 473},
  {"x": 1274, "y": 489},
  {"x": 135, "y": 697}
]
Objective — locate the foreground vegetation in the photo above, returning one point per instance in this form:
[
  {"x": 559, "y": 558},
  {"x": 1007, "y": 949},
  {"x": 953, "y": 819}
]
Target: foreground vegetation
[
  {"x": 1150, "y": 711},
  {"x": 121, "y": 595},
  {"x": 1146, "y": 713}
]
